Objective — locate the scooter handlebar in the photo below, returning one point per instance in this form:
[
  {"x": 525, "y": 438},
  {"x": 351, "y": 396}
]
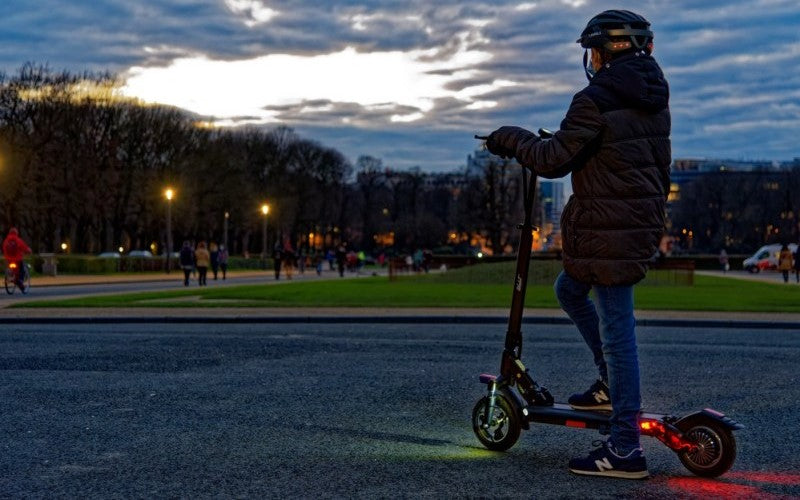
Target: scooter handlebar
[{"x": 544, "y": 133}]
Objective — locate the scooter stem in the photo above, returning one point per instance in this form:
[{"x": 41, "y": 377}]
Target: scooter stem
[{"x": 514, "y": 333}]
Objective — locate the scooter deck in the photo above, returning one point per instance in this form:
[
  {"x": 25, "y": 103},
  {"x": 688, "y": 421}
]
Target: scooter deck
[{"x": 564, "y": 414}]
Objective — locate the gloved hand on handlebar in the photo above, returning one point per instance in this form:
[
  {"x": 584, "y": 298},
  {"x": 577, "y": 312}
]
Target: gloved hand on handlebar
[{"x": 503, "y": 141}]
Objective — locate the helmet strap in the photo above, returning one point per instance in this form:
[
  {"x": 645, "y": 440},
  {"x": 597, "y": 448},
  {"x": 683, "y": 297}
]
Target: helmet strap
[{"x": 587, "y": 67}]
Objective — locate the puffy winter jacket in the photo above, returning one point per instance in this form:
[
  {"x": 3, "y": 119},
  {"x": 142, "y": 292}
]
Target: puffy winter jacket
[{"x": 615, "y": 142}]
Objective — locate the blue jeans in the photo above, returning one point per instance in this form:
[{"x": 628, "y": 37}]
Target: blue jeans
[{"x": 607, "y": 326}]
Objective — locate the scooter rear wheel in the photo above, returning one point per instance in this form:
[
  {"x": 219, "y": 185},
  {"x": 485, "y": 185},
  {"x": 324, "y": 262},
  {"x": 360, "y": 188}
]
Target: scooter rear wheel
[
  {"x": 715, "y": 449},
  {"x": 504, "y": 428}
]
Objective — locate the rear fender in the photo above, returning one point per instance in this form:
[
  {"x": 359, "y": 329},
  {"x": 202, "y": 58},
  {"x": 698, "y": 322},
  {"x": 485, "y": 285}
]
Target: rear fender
[{"x": 714, "y": 415}]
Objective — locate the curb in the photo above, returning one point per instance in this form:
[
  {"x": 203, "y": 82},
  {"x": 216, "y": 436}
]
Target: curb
[{"x": 467, "y": 319}]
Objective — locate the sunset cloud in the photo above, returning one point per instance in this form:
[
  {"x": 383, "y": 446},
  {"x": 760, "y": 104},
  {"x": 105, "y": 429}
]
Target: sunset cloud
[{"x": 394, "y": 72}]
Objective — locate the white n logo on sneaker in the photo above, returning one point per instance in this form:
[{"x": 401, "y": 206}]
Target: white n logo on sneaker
[
  {"x": 600, "y": 397},
  {"x": 603, "y": 465}
]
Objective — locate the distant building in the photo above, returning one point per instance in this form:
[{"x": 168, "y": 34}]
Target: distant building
[
  {"x": 477, "y": 161},
  {"x": 686, "y": 170},
  {"x": 551, "y": 196}
]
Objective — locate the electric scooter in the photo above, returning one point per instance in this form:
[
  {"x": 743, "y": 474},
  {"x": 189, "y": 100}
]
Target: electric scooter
[{"x": 703, "y": 440}]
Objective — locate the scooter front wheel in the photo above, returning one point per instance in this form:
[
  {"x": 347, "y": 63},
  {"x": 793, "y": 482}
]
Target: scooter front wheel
[
  {"x": 715, "y": 447},
  {"x": 503, "y": 429}
]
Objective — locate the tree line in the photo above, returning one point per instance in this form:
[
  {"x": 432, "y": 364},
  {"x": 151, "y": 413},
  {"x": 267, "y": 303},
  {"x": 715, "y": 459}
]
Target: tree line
[
  {"x": 82, "y": 166},
  {"x": 738, "y": 211}
]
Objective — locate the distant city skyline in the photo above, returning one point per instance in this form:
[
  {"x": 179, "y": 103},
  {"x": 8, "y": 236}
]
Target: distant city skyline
[{"x": 411, "y": 82}]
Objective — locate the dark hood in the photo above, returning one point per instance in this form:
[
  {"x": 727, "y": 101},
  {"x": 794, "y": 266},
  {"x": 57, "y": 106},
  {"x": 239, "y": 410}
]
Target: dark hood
[{"x": 637, "y": 80}]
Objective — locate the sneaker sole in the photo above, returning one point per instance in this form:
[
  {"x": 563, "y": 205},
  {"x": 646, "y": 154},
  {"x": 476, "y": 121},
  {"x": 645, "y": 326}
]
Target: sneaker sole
[
  {"x": 591, "y": 408},
  {"x": 613, "y": 473}
]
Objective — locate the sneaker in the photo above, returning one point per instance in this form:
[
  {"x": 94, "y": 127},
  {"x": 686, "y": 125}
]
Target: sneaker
[
  {"x": 604, "y": 461},
  {"x": 596, "y": 398}
]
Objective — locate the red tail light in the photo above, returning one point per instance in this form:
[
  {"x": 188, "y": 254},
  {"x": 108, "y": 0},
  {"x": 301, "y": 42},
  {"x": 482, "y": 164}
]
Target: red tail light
[{"x": 664, "y": 434}]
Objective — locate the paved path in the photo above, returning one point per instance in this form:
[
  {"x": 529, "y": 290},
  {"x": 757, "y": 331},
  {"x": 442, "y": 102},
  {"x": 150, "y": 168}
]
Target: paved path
[
  {"x": 175, "y": 276},
  {"x": 764, "y": 276}
]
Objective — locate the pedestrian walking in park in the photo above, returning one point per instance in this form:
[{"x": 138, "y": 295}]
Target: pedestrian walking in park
[
  {"x": 797, "y": 264},
  {"x": 202, "y": 260},
  {"x": 361, "y": 260},
  {"x": 615, "y": 141},
  {"x": 427, "y": 260},
  {"x": 418, "y": 259},
  {"x": 223, "y": 261},
  {"x": 277, "y": 259},
  {"x": 186, "y": 259},
  {"x": 785, "y": 262},
  {"x": 330, "y": 256},
  {"x": 213, "y": 250},
  {"x": 289, "y": 258},
  {"x": 341, "y": 258},
  {"x": 318, "y": 262},
  {"x": 723, "y": 261},
  {"x": 301, "y": 260}
]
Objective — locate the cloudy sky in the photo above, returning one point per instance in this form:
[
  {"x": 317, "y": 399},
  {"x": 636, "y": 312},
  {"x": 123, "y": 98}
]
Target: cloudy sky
[{"x": 411, "y": 81}]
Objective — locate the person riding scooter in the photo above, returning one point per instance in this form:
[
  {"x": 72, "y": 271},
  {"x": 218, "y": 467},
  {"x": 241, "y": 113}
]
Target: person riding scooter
[{"x": 615, "y": 141}]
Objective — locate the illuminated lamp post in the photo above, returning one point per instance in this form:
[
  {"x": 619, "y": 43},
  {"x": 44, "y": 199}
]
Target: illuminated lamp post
[
  {"x": 265, "y": 211},
  {"x": 169, "y": 194},
  {"x": 225, "y": 230}
]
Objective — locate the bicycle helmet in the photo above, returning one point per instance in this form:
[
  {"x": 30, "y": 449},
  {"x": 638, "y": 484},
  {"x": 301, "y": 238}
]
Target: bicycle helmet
[{"x": 616, "y": 32}]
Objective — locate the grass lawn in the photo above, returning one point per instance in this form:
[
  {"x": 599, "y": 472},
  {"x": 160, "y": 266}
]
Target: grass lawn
[{"x": 481, "y": 286}]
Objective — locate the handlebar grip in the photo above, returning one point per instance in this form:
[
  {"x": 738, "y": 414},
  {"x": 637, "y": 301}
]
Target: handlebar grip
[{"x": 481, "y": 137}]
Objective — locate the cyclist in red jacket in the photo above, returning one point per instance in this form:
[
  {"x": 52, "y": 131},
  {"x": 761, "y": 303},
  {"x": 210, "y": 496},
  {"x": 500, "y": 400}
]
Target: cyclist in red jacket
[{"x": 14, "y": 249}]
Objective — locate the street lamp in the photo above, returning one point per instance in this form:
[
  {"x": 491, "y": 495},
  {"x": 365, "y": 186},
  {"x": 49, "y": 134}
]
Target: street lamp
[
  {"x": 169, "y": 194},
  {"x": 265, "y": 211},
  {"x": 225, "y": 229}
]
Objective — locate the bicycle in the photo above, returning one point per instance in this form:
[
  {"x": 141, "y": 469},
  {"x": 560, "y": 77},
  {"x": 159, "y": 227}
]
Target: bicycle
[{"x": 12, "y": 279}]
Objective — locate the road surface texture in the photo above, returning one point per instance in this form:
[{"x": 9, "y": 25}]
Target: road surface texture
[{"x": 360, "y": 410}]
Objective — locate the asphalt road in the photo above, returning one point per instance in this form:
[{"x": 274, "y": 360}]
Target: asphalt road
[{"x": 286, "y": 411}]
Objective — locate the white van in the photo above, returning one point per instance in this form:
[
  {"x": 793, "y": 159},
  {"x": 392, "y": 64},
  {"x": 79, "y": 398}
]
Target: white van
[{"x": 765, "y": 258}]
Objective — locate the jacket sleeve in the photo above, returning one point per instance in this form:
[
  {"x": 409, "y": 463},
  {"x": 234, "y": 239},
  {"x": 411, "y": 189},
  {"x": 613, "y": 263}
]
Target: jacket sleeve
[{"x": 570, "y": 147}]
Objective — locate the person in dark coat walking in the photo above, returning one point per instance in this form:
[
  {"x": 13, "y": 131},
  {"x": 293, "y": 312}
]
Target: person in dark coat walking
[
  {"x": 277, "y": 258},
  {"x": 341, "y": 258},
  {"x": 223, "y": 261},
  {"x": 186, "y": 261},
  {"x": 213, "y": 250},
  {"x": 615, "y": 141}
]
